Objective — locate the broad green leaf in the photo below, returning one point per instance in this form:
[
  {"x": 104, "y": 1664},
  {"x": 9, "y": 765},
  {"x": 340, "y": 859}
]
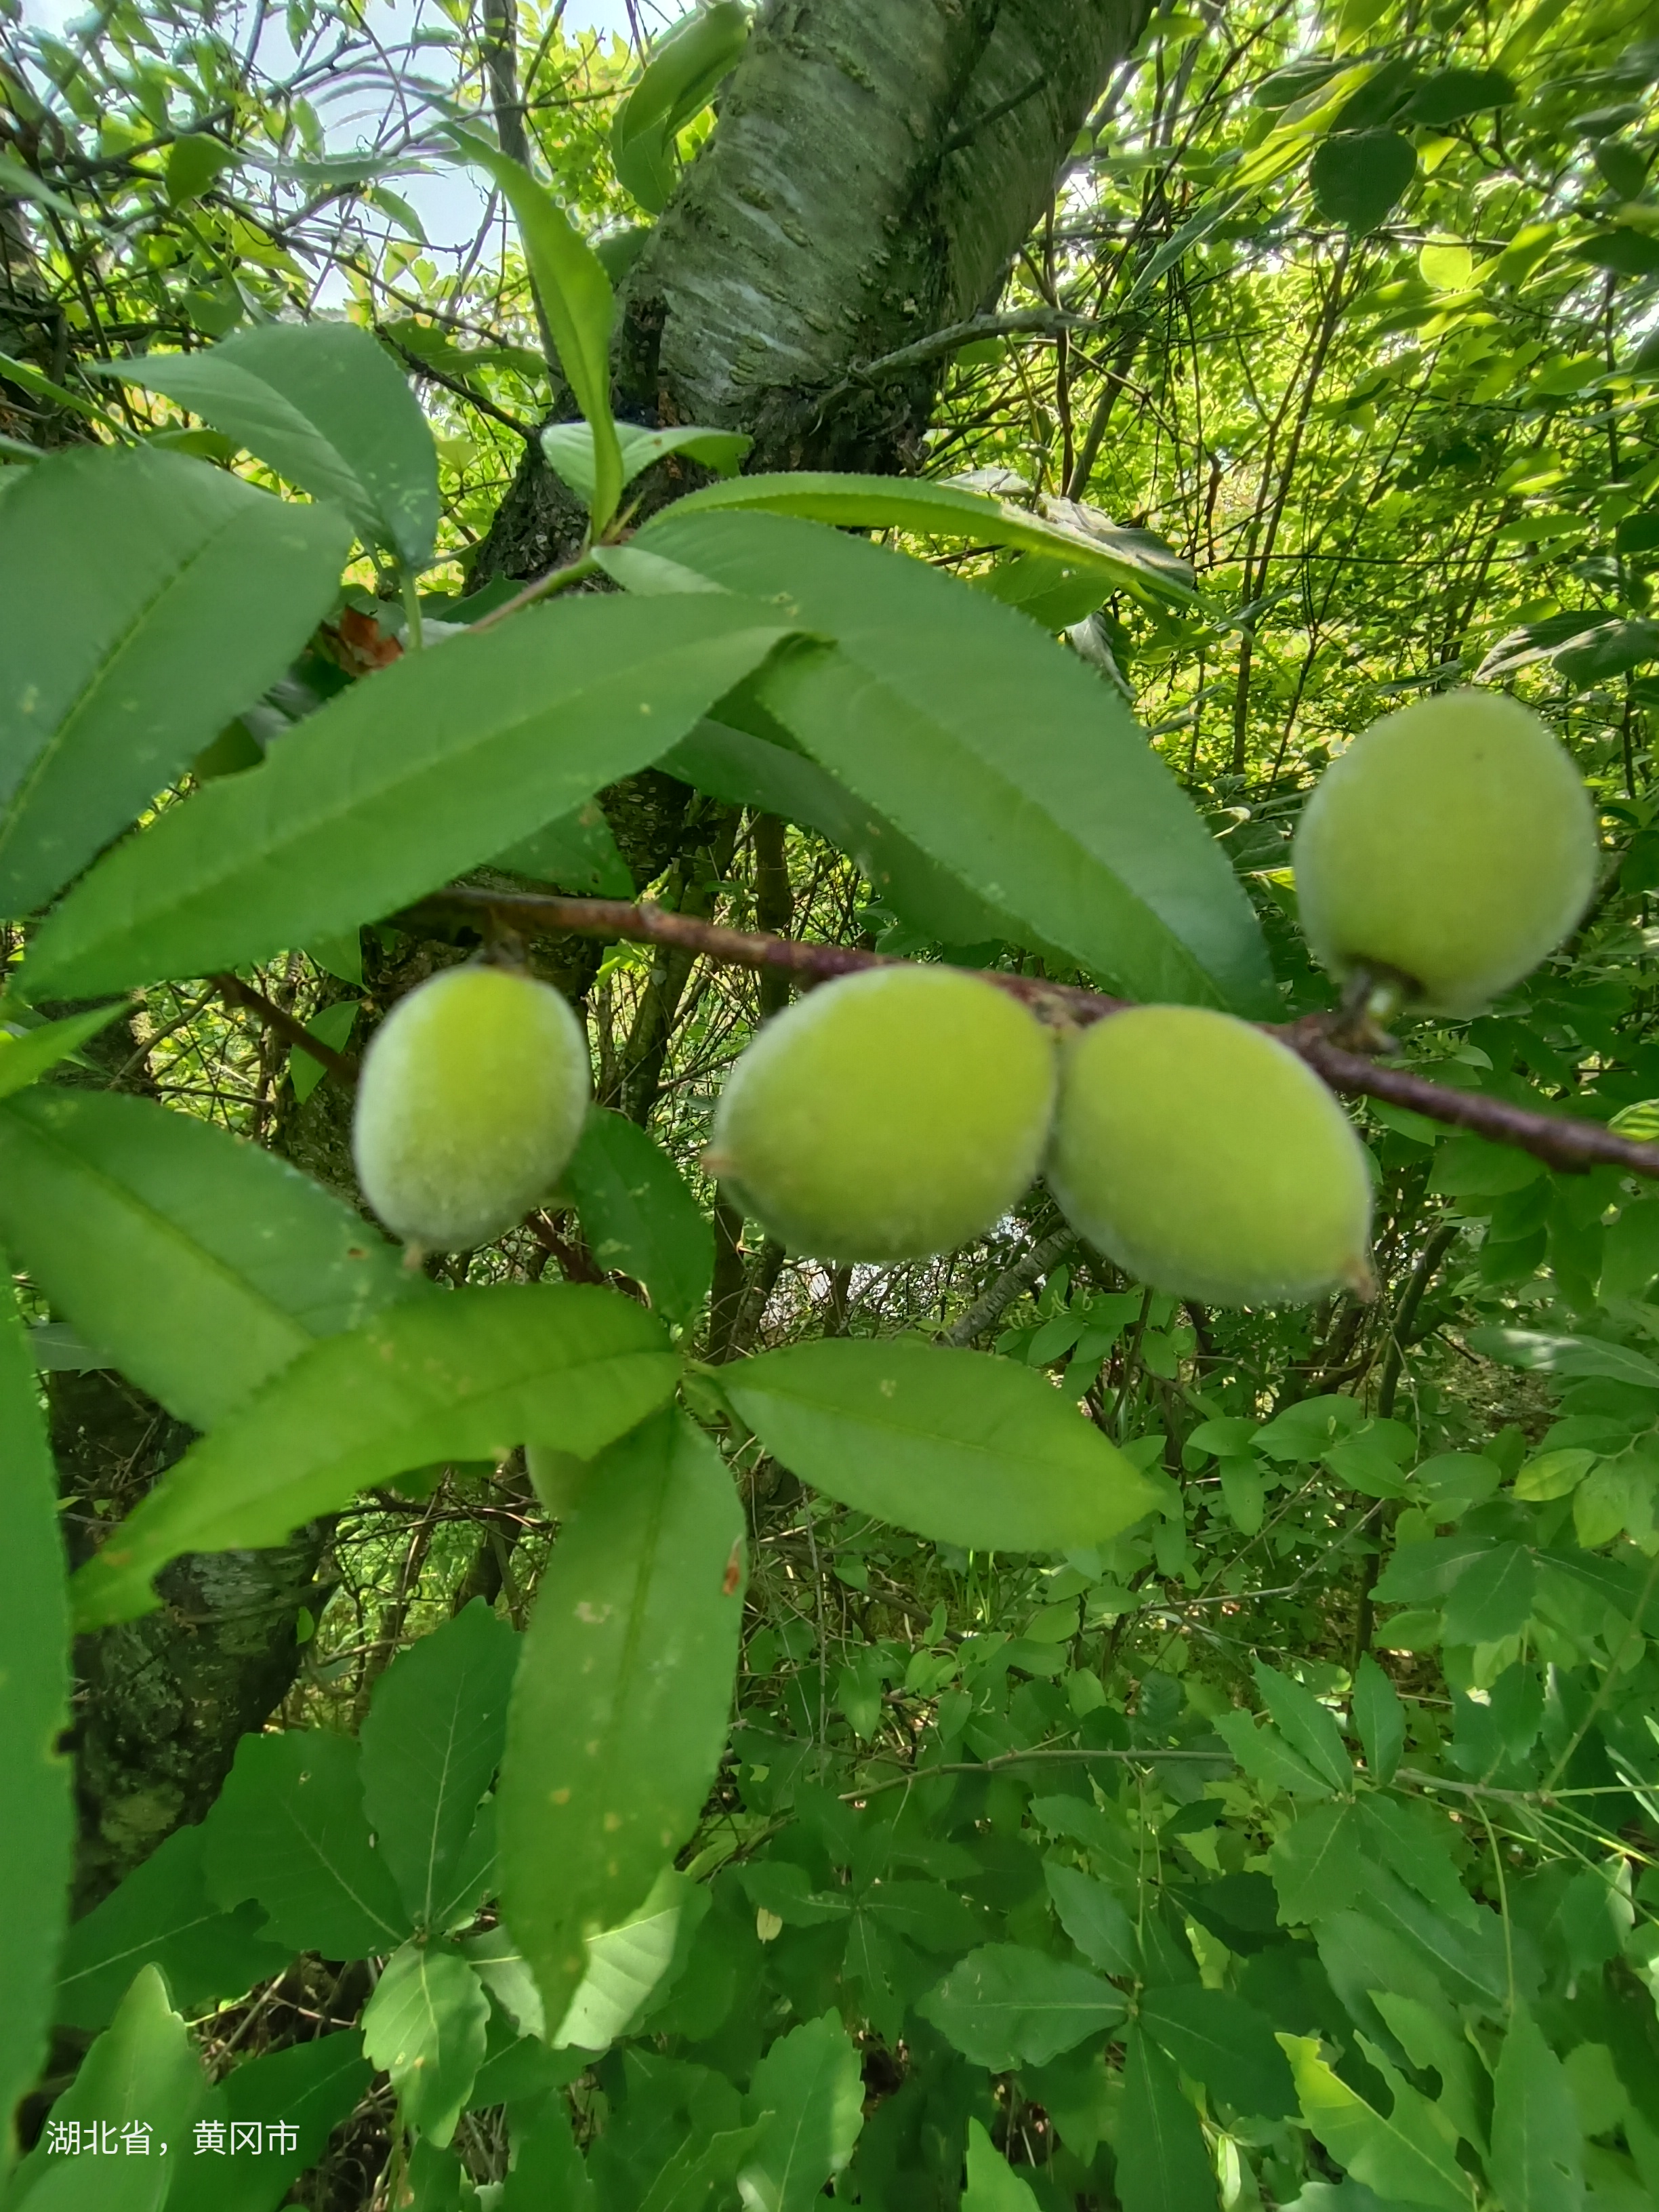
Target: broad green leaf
[
  {"x": 162, "y": 1914},
  {"x": 1432, "y": 2035},
  {"x": 142, "y": 2074},
  {"x": 808, "y": 2094},
  {"x": 1007, "y": 762},
  {"x": 1380, "y": 1719},
  {"x": 548, "y": 2174},
  {"x": 465, "y": 1376},
  {"x": 431, "y": 1741},
  {"x": 1161, "y": 2164},
  {"x": 1316, "y": 1863},
  {"x": 1266, "y": 1758},
  {"x": 1410, "y": 2156},
  {"x": 1091, "y": 1916},
  {"x": 1118, "y": 560},
  {"x": 567, "y": 448},
  {"x": 746, "y": 770},
  {"x": 1217, "y": 2039},
  {"x": 1537, "y": 2162},
  {"x": 1306, "y": 1725},
  {"x": 628, "y": 1964},
  {"x": 198, "y": 1264},
  {"x": 1357, "y": 176},
  {"x": 425, "y": 2025},
  {"x": 638, "y": 1215},
  {"x": 311, "y": 2089},
  {"x": 328, "y": 409},
  {"x": 992, "y": 2184},
  {"x": 619, "y": 1712},
  {"x": 398, "y": 784},
  {"x": 577, "y": 852},
  {"x": 36, "y": 1811},
  {"x": 957, "y": 1446},
  {"x": 289, "y": 1831},
  {"x": 1006, "y": 2006},
  {"x": 25, "y": 1057},
  {"x": 1447, "y": 95},
  {"x": 576, "y": 298},
  {"x": 1493, "y": 1597},
  {"x": 148, "y": 598}
]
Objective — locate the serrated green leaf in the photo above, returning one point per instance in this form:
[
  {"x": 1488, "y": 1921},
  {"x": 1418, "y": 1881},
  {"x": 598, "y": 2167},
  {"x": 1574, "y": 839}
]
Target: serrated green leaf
[
  {"x": 1309, "y": 1729},
  {"x": 398, "y": 784},
  {"x": 958, "y": 1446},
  {"x": 198, "y": 1264},
  {"x": 36, "y": 1810},
  {"x": 431, "y": 1741},
  {"x": 1409, "y": 2156},
  {"x": 1217, "y": 2039},
  {"x": 148, "y": 598},
  {"x": 1266, "y": 1758},
  {"x": 326, "y": 407},
  {"x": 1379, "y": 1718},
  {"x": 1091, "y": 1916},
  {"x": 1493, "y": 1595},
  {"x": 162, "y": 1914},
  {"x": 638, "y": 1215},
  {"x": 808, "y": 2094},
  {"x": 466, "y": 1376},
  {"x": 1006, "y": 2005},
  {"x": 1537, "y": 2161},
  {"x": 567, "y": 448},
  {"x": 1161, "y": 2165},
  {"x": 620, "y": 1709},
  {"x": 425, "y": 2025},
  {"x": 1317, "y": 1864},
  {"x": 289, "y": 1831},
  {"x": 1008, "y": 762}
]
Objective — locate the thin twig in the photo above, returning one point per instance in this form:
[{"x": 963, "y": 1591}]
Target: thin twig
[
  {"x": 235, "y": 992},
  {"x": 1561, "y": 1141}
]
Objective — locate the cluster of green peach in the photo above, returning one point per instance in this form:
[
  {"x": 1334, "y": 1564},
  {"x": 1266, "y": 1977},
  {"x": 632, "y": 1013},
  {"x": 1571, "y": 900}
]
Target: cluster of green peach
[{"x": 902, "y": 1111}]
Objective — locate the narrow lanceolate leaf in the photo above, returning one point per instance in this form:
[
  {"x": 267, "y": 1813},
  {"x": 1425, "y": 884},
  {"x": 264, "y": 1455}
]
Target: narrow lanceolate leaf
[
  {"x": 148, "y": 598},
  {"x": 328, "y": 410},
  {"x": 431, "y": 1741},
  {"x": 289, "y": 1831},
  {"x": 1161, "y": 2163},
  {"x": 162, "y": 1914},
  {"x": 808, "y": 2094},
  {"x": 1380, "y": 1719},
  {"x": 428, "y": 767},
  {"x": 24, "y": 1057},
  {"x": 956, "y": 1445},
  {"x": 1537, "y": 2141},
  {"x": 425, "y": 2024},
  {"x": 943, "y": 510},
  {"x": 196, "y": 1262},
  {"x": 466, "y": 1376},
  {"x": 577, "y": 298},
  {"x": 36, "y": 1818},
  {"x": 619, "y": 1712},
  {"x": 1005, "y": 760},
  {"x": 638, "y": 1215}
]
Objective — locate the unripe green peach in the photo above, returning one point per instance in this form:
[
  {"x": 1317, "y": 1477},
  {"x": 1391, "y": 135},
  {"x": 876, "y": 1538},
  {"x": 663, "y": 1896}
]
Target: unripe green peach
[
  {"x": 1453, "y": 843},
  {"x": 472, "y": 1099},
  {"x": 1207, "y": 1159},
  {"x": 887, "y": 1115}
]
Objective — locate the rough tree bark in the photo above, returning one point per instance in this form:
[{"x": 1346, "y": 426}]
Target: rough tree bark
[{"x": 877, "y": 166}]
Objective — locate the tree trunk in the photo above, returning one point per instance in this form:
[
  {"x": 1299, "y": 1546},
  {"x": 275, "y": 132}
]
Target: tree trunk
[{"x": 877, "y": 166}]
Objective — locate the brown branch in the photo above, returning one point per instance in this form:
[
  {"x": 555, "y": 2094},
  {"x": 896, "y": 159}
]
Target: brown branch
[
  {"x": 234, "y": 992},
  {"x": 1561, "y": 1141}
]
